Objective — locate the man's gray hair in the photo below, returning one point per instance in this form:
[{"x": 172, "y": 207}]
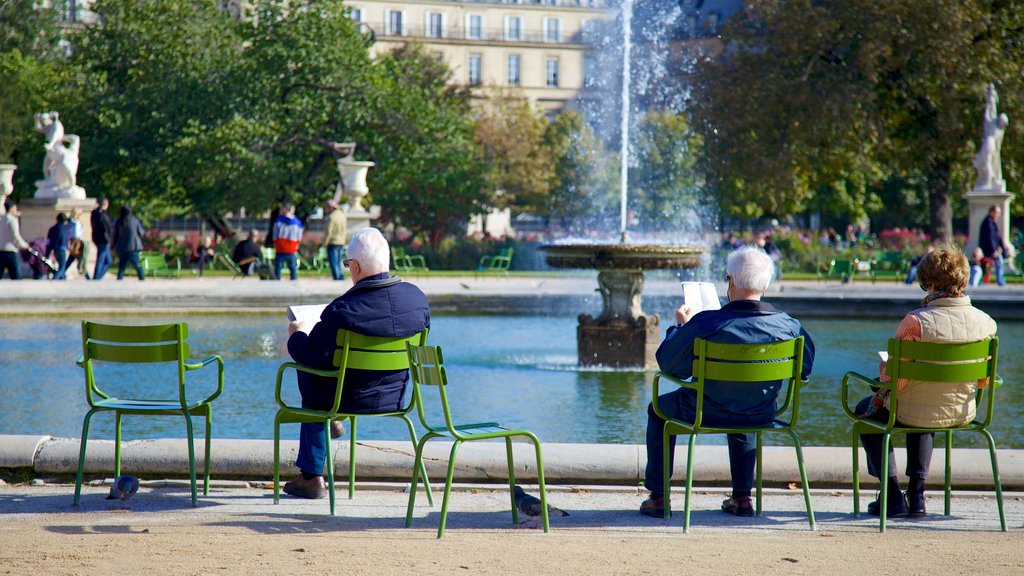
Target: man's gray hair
[
  {"x": 750, "y": 268},
  {"x": 371, "y": 250}
]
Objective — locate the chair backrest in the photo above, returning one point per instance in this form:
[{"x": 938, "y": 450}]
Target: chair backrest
[
  {"x": 841, "y": 267},
  {"x": 943, "y": 362},
  {"x": 752, "y": 363},
  {"x": 132, "y": 345},
  {"x": 426, "y": 368},
  {"x": 377, "y": 353}
]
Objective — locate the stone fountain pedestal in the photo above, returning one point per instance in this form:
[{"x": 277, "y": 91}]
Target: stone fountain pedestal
[{"x": 623, "y": 336}]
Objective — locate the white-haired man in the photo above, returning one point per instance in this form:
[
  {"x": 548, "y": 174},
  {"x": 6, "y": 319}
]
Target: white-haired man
[
  {"x": 744, "y": 320},
  {"x": 378, "y": 304}
]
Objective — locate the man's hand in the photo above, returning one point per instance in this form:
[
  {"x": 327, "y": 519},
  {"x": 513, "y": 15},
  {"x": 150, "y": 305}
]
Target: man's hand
[
  {"x": 299, "y": 326},
  {"x": 683, "y": 314}
]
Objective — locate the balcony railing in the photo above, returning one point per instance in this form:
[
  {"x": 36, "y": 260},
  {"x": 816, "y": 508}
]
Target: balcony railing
[{"x": 488, "y": 35}]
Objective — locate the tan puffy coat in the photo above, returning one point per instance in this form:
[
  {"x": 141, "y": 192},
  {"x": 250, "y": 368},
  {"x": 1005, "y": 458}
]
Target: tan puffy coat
[{"x": 940, "y": 405}]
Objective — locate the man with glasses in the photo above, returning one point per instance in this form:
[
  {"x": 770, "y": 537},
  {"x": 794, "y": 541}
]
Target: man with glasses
[
  {"x": 744, "y": 320},
  {"x": 378, "y": 304}
]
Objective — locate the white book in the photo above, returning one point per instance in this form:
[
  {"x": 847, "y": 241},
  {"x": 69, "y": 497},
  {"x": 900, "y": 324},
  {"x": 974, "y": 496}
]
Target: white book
[
  {"x": 306, "y": 313},
  {"x": 701, "y": 296}
]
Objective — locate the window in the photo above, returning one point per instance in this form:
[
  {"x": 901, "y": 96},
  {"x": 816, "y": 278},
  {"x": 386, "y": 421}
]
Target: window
[
  {"x": 356, "y": 14},
  {"x": 474, "y": 69},
  {"x": 513, "y": 28},
  {"x": 396, "y": 23},
  {"x": 514, "y": 78},
  {"x": 435, "y": 25},
  {"x": 589, "y": 71},
  {"x": 551, "y": 72},
  {"x": 475, "y": 27},
  {"x": 552, "y": 30}
]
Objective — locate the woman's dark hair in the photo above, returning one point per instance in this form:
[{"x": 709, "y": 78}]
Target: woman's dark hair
[{"x": 126, "y": 211}]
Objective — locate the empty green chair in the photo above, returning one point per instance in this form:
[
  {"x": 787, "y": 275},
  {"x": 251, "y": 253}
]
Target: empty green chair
[
  {"x": 497, "y": 264},
  {"x": 144, "y": 345},
  {"x": 402, "y": 261},
  {"x": 738, "y": 363},
  {"x": 354, "y": 352},
  {"x": 427, "y": 368},
  {"x": 929, "y": 362}
]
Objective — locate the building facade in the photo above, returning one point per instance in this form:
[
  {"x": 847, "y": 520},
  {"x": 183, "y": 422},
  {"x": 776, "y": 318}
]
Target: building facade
[{"x": 539, "y": 47}]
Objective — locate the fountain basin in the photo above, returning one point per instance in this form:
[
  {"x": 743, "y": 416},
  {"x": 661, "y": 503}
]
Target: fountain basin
[{"x": 623, "y": 256}]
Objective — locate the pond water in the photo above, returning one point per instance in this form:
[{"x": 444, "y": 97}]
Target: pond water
[{"x": 517, "y": 370}]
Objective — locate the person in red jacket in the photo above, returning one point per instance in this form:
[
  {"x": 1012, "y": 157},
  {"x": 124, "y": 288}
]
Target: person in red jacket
[{"x": 287, "y": 236}]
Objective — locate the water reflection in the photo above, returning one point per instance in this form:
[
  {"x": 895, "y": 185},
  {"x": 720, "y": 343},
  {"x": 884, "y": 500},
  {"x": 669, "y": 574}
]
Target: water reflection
[{"x": 520, "y": 371}]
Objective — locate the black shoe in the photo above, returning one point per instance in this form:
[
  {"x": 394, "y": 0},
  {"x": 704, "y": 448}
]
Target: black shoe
[
  {"x": 337, "y": 429},
  {"x": 313, "y": 489},
  {"x": 897, "y": 506},
  {"x": 738, "y": 506},
  {"x": 653, "y": 507},
  {"x": 916, "y": 504}
]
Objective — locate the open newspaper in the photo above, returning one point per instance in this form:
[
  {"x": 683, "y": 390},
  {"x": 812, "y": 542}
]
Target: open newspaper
[
  {"x": 701, "y": 296},
  {"x": 306, "y": 312}
]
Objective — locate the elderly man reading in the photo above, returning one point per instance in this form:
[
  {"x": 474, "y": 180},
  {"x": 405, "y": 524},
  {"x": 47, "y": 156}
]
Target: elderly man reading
[
  {"x": 744, "y": 320},
  {"x": 378, "y": 304}
]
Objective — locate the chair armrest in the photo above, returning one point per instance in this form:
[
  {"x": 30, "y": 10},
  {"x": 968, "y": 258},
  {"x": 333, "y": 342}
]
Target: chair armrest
[
  {"x": 298, "y": 368},
  {"x": 220, "y": 375},
  {"x": 857, "y": 377},
  {"x": 678, "y": 382}
]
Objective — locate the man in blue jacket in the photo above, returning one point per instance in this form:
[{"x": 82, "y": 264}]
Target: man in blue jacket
[
  {"x": 744, "y": 320},
  {"x": 991, "y": 242},
  {"x": 378, "y": 304}
]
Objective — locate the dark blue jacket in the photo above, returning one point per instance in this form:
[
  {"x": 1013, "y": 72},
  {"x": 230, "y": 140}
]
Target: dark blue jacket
[
  {"x": 376, "y": 306},
  {"x": 989, "y": 239},
  {"x": 58, "y": 236},
  {"x": 739, "y": 322}
]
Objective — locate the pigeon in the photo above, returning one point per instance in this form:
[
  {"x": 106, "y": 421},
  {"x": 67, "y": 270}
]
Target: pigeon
[
  {"x": 124, "y": 487},
  {"x": 529, "y": 506}
]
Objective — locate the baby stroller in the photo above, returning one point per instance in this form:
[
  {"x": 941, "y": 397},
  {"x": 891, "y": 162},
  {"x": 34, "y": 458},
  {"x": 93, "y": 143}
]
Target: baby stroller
[{"x": 40, "y": 266}]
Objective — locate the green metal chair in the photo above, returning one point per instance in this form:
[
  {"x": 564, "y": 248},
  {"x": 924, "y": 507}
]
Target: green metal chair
[
  {"x": 738, "y": 363},
  {"x": 156, "y": 265},
  {"x": 402, "y": 261},
  {"x": 144, "y": 345},
  {"x": 354, "y": 352},
  {"x": 427, "y": 368},
  {"x": 844, "y": 270},
  {"x": 930, "y": 362},
  {"x": 889, "y": 265},
  {"x": 497, "y": 264}
]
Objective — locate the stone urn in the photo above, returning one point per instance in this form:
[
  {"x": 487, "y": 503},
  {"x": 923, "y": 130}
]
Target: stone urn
[
  {"x": 622, "y": 336},
  {"x": 353, "y": 179}
]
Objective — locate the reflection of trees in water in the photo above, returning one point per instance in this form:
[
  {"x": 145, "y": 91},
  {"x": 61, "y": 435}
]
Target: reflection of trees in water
[{"x": 618, "y": 401}]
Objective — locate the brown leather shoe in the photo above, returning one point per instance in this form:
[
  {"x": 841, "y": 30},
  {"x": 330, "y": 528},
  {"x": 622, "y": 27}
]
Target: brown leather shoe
[
  {"x": 653, "y": 507},
  {"x": 740, "y": 506},
  {"x": 337, "y": 429},
  {"x": 313, "y": 489}
]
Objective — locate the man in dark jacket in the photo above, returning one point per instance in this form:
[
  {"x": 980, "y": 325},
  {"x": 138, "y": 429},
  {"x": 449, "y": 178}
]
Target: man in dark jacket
[
  {"x": 744, "y": 320},
  {"x": 376, "y": 305},
  {"x": 991, "y": 242},
  {"x": 102, "y": 229}
]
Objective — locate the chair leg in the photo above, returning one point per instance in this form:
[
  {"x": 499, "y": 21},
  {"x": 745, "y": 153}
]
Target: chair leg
[
  {"x": 803, "y": 477},
  {"x": 883, "y": 482},
  {"x": 949, "y": 468},
  {"x": 995, "y": 477},
  {"x": 856, "y": 474},
  {"x": 117, "y": 443},
  {"x": 81, "y": 455},
  {"x": 448, "y": 488},
  {"x": 423, "y": 468},
  {"x": 760, "y": 444},
  {"x": 511, "y": 479},
  {"x": 206, "y": 464},
  {"x": 351, "y": 458},
  {"x": 329, "y": 464},
  {"x": 277, "y": 458},
  {"x": 541, "y": 484},
  {"x": 415, "y": 479},
  {"x": 689, "y": 482},
  {"x": 666, "y": 469},
  {"x": 191, "y": 458}
]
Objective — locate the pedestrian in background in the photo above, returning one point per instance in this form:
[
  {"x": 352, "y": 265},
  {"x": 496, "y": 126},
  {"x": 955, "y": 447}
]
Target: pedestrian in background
[
  {"x": 102, "y": 231},
  {"x": 334, "y": 240},
  {"x": 287, "y": 236},
  {"x": 57, "y": 239},
  {"x": 11, "y": 242},
  {"x": 127, "y": 239}
]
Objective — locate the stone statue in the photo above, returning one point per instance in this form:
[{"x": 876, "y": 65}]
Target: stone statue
[
  {"x": 987, "y": 162},
  {"x": 60, "y": 165}
]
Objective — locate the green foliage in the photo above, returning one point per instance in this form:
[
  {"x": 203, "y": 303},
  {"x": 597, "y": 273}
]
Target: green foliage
[
  {"x": 664, "y": 185},
  {"x": 581, "y": 181}
]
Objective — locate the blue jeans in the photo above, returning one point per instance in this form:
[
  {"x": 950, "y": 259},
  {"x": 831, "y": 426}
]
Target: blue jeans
[
  {"x": 103, "y": 261},
  {"x": 334, "y": 254},
  {"x": 293, "y": 262},
  {"x": 742, "y": 447},
  {"x": 1000, "y": 279},
  {"x": 62, "y": 264},
  {"x": 123, "y": 258}
]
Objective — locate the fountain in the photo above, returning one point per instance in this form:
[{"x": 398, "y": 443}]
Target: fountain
[{"x": 622, "y": 336}]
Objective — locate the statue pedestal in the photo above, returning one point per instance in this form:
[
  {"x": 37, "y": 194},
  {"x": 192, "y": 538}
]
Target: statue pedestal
[
  {"x": 39, "y": 214},
  {"x": 357, "y": 219},
  {"x": 622, "y": 336},
  {"x": 979, "y": 201}
]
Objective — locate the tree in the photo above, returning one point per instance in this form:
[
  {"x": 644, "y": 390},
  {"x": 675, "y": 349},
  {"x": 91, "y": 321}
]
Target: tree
[
  {"x": 430, "y": 176},
  {"x": 831, "y": 99},
  {"x": 583, "y": 185},
  {"x": 511, "y": 135},
  {"x": 663, "y": 183}
]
